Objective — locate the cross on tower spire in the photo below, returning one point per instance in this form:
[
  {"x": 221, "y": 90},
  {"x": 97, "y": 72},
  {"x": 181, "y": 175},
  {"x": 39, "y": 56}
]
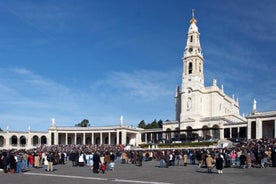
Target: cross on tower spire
[{"x": 193, "y": 20}]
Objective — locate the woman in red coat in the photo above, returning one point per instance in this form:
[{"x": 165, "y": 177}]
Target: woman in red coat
[{"x": 31, "y": 160}]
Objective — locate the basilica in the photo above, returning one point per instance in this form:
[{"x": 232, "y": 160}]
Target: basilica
[{"x": 202, "y": 113}]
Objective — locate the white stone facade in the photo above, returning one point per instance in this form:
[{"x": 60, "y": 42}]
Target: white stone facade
[
  {"x": 200, "y": 107},
  {"x": 56, "y": 135}
]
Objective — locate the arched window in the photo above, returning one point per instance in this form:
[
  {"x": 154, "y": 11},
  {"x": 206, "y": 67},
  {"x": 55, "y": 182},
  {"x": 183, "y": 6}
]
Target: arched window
[
  {"x": 23, "y": 141},
  {"x": 190, "y": 67},
  {"x": 206, "y": 132},
  {"x": 191, "y": 38},
  {"x": 2, "y": 141},
  {"x": 43, "y": 140},
  {"x": 69, "y": 140},
  {"x": 189, "y": 133},
  {"x": 168, "y": 134},
  {"x": 215, "y": 132},
  {"x": 79, "y": 140},
  {"x": 106, "y": 140},
  {"x": 14, "y": 140},
  {"x": 88, "y": 140},
  {"x": 35, "y": 140}
]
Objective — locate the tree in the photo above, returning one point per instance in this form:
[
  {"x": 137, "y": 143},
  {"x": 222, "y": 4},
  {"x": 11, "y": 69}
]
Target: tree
[
  {"x": 160, "y": 123},
  {"x": 154, "y": 124},
  {"x": 83, "y": 123},
  {"x": 151, "y": 125},
  {"x": 142, "y": 124},
  {"x": 1, "y": 130}
]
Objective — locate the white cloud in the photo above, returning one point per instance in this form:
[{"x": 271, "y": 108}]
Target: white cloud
[
  {"x": 34, "y": 100},
  {"x": 142, "y": 85}
]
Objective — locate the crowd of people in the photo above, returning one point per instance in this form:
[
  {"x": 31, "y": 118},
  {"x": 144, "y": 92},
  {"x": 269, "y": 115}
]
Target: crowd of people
[{"x": 100, "y": 158}]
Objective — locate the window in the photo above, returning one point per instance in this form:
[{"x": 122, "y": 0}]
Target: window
[
  {"x": 191, "y": 38},
  {"x": 190, "y": 68},
  {"x": 199, "y": 67}
]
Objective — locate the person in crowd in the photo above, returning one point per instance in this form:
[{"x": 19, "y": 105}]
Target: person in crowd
[
  {"x": 185, "y": 158},
  {"x": 73, "y": 158},
  {"x": 209, "y": 163},
  {"x": 248, "y": 160},
  {"x": 36, "y": 160},
  {"x": 82, "y": 158},
  {"x": 112, "y": 161},
  {"x": 161, "y": 159},
  {"x": 199, "y": 158},
  {"x": 62, "y": 158},
  {"x": 45, "y": 161},
  {"x": 31, "y": 160},
  {"x": 12, "y": 162},
  {"x": 140, "y": 158},
  {"x": 242, "y": 160},
  {"x": 219, "y": 163},
  {"x": 233, "y": 157},
  {"x": 50, "y": 159},
  {"x": 19, "y": 164},
  {"x": 103, "y": 167},
  {"x": 171, "y": 161},
  {"x": 124, "y": 157},
  {"x": 273, "y": 157},
  {"x": 107, "y": 160},
  {"x": 1, "y": 161},
  {"x": 25, "y": 160},
  {"x": 96, "y": 162},
  {"x": 167, "y": 159},
  {"x": 6, "y": 162}
]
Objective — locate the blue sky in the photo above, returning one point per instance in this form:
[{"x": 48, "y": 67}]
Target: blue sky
[{"x": 98, "y": 60}]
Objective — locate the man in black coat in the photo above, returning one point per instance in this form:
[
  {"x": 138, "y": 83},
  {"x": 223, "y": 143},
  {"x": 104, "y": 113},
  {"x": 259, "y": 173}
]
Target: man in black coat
[
  {"x": 6, "y": 162},
  {"x": 96, "y": 162},
  {"x": 219, "y": 163},
  {"x": 273, "y": 157}
]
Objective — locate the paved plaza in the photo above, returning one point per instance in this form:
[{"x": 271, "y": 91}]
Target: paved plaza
[{"x": 149, "y": 173}]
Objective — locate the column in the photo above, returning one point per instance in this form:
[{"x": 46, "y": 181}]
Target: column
[
  {"x": 221, "y": 133},
  {"x": 136, "y": 139},
  {"x": 238, "y": 132},
  {"x": 101, "y": 138},
  {"x": 230, "y": 132},
  {"x": 29, "y": 141},
  {"x": 259, "y": 128},
  {"x": 56, "y": 139},
  {"x": 146, "y": 138},
  {"x": 109, "y": 138},
  {"x": 249, "y": 123},
  {"x": 66, "y": 138},
  {"x": 83, "y": 140},
  {"x": 92, "y": 138},
  {"x": 124, "y": 134},
  {"x": 117, "y": 136},
  {"x": 275, "y": 128},
  {"x": 75, "y": 137}
]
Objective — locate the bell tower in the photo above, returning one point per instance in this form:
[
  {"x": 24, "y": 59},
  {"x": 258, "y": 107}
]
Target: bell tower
[{"x": 192, "y": 76}]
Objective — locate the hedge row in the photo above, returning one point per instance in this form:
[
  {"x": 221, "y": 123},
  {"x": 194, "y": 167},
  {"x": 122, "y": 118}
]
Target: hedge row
[{"x": 178, "y": 145}]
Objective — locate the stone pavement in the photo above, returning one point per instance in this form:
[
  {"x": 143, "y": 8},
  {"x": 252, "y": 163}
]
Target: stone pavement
[{"x": 149, "y": 173}]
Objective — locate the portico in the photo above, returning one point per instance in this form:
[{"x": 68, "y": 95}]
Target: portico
[
  {"x": 93, "y": 135},
  {"x": 261, "y": 124}
]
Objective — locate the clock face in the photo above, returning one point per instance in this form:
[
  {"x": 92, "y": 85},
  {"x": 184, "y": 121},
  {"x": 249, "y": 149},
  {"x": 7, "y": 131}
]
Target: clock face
[{"x": 190, "y": 49}]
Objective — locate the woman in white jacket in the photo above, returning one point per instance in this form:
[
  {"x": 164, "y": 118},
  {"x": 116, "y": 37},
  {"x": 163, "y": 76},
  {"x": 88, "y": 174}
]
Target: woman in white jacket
[{"x": 45, "y": 161}]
